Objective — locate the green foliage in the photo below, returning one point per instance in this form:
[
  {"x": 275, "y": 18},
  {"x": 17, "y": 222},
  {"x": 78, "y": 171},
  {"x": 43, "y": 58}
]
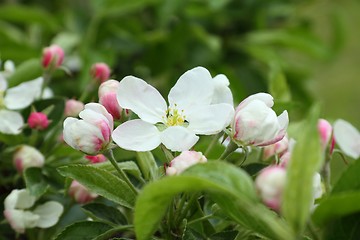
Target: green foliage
[
  {"x": 101, "y": 182},
  {"x": 35, "y": 181},
  {"x": 83, "y": 230},
  {"x": 107, "y": 214}
]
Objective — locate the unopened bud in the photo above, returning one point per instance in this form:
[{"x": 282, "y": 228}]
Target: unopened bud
[
  {"x": 185, "y": 160},
  {"x": 38, "y": 121},
  {"x": 73, "y": 108},
  {"x": 107, "y": 98},
  {"x": 53, "y": 56},
  {"x": 100, "y": 72},
  {"x": 27, "y": 156},
  {"x": 96, "y": 159},
  {"x": 80, "y": 193}
]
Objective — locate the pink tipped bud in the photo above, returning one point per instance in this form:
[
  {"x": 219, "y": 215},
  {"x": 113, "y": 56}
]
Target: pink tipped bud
[
  {"x": 96, "y": 159},
  {"x": 27, "y": 156},
  {"x": 277, "y": 148},
  {"x": 80, "y": 193},
  {"x": 325, "y": 131},
  {"x": 73, "y": 108},
  {"x": 100, "y": 72},
  {"x": 38, "y": 121},
  {"x": 185, "y": 160},
  {"x": 53, "y": 56},
  {"x": 270, "y": 184},
  {"x": 107, "y": 98}
]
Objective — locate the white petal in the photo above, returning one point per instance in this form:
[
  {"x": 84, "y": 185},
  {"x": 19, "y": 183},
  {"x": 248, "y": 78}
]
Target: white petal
[
  {"x": 3, "y": 83},
  {"x": 194, "y": 87},
  {"x": 19, "y": 219},
  {"x": 347, "y": 137},
  {"x": 137, "y": 135},
  {"x": 48, "y": 93},
  {"x": 143, "y": 99},
  {"x": 23, "y": 94},
  {"x": 264, "y": 97},
  {"x": 98, "y": 108},
  {"x": 222, "y": 92},
  {"x": 49, "y": 214},
  {"x": 178, "y": 138},
  {"x": 9, "y": 66},
  {"x": 19, "y": 199},
  {"x": 210, "y": 119},
  {"x": 11, "y": 122}
]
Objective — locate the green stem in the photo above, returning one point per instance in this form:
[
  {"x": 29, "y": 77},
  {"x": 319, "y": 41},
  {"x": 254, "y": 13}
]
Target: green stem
[
  {"x": 214, "y": 140},
  {"x": 184, "y": 212},
  {"x": 169, "y": 156},
  {"x": 201, "y": 219},
  {"x": 313, "y": 232},
  {"x": 47, "y": 77},
  {"x": 229, "y": 149},
  {"x": 326, "y": 176},
  {"x": 122, "y": 174}
]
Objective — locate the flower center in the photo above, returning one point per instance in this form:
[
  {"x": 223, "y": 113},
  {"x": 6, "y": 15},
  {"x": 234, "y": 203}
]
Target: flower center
[{"x": 174, "y": 117}]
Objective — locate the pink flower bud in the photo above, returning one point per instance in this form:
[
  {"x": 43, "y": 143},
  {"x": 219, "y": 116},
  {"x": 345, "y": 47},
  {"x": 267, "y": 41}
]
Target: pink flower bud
[
  {"x": 277, "y": 148},
  {"x": 325, "y": 131},
  {"x": 38, "y": 121},
  {"x": 27, "y": 156},
  {"x": 107, "y": 98},
  {"x": 92, "y": 133},
  {"x": 53, "y": 56},
  {"x": 270, "y": 184},
  {"x": 100, "y": 72},
  {"x": 73, "y": 108},
  {"x": 96, "y": 159},
  {"x": 184, "y": 161},
  {"x": 80, "y": 193},
  {"x": 255, "y": 123}
]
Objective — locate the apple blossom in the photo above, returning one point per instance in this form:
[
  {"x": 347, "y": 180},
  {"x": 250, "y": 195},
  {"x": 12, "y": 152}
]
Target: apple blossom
[
  {"x": 100, "y": 72},
  {"x": 16, "y": 211},
  {"x": 52, "y": 57},
  {"x": 16, "y": 98},
  {"x": 92, "y": 133},
  {"x": 189, "y": 113},
  {"x": 26, "y": 156},
  {"x": 73, "y": 108},
  {"x": 107, "y": 98},
  {"x": 347, "y": 137},
  {"x": 222, "y": 92},
  {"x": 80, "y": 193},
  {"x": 325, "y": 131},
  {"x": 256, "y": 124},
  {"x": 38, "y": 120},
  {"x": 184, "y": 161}
]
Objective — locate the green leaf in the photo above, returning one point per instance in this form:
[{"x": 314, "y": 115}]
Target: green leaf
[
  {"x": 344, "y": 228},
  {"x": 147, "y": 165},
  {"x": 306, "y": 160},
  {"x": 102, "y": 212},
  {"x": 349, "y": 180},
  {"x": 128, "y": 166},
  {"x": 336, "y": 206},
  {"x": 27, "y": 71},
  {"x": 278, "y": 86},
  {"x": 101, "y": 182},
  {"x": 218, "y": 178},
  {"x": 86, "y": 230},
  {"x": 35, "y": 181}
]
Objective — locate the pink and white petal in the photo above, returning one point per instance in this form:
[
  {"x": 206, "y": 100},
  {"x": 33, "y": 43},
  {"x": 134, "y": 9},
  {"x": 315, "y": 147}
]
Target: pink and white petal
[
  {"x": 15, "y": 219},
  {"x": 143, "y": 99},
  {"x": 11, "y": 122},
  {"x": 178, "y": 138},
  {"x": 23, "y": 94},
  {"x": 210, "y": 119},
  {"x": 283, "y": 120},
  {"x": 98, "y": 108},
  {"x": 99, "y": 120},
  {"x": 20, "y": 199},
  {"x": 49, "y": 214},
  {"x": 137, "y": 135},
  {"x": 264, "y": 97},
  {"x": 347, "y": 137},
  {"x": 194, "y": 87}
]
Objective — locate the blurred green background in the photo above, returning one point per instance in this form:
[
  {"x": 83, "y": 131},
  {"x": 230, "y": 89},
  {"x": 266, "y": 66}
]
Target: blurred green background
[{"x": 299, "y": 51}]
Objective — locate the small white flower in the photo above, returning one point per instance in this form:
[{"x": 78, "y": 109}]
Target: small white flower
[
  {"x": 189, "y": 113},
  {"x": 256, "y": 124},
  {"x": 43, "y": 216},
  {"x": 347, "y": 137},
  {"x": 185, "y": 160}
]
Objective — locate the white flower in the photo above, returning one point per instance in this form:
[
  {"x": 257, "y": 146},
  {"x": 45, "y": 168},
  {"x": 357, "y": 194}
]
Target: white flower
[
  {"x": 222, "y": 92},
  {"x": 347, "y": 137},
  {"x": 256, "y": 124},
  {"x": 17, "y": 98},
  {"x": 43, "y": 216},
  {"x": 92, "y": 133},
  {"x": 189, "y": 113},
  {"x": 185, "y": 160}
]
